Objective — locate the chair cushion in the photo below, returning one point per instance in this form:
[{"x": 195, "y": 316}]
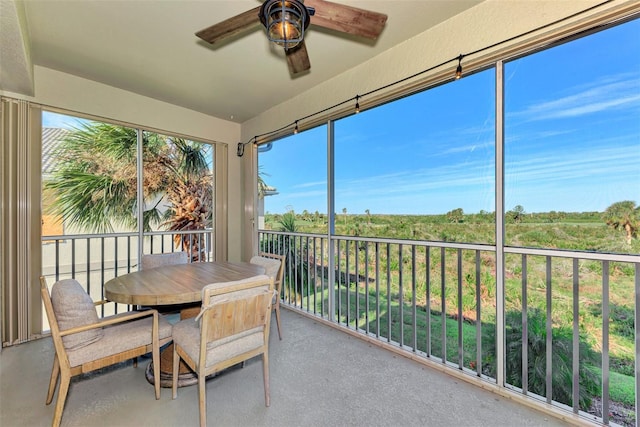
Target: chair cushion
[
  {"x": 73, "y": 307},
  {"x": 270, "y": 265},
  {"x": 186, "y": 334},
  {"x": 120, "y": 337}
]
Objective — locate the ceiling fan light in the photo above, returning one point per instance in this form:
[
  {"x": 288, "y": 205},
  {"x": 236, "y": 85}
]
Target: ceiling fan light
[
  {"x": 285, "y": 33},
  {"x": 285, "y": 21}
]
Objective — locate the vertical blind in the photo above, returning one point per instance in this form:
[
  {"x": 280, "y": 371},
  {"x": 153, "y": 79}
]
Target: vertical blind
[{"x": 20, "y": 255}]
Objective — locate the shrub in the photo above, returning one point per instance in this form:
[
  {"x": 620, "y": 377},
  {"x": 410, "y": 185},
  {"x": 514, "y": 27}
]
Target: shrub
[
  {"x": 562, "y": 384},
  {"x": 622, "y": 320}
]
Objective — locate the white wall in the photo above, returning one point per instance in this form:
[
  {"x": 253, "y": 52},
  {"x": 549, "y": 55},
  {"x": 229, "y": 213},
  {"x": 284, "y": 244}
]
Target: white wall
[{"x": 56, "y": 89}]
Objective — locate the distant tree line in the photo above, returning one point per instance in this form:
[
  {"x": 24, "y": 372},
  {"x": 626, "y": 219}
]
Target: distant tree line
[{"x": 623, "y": 216}]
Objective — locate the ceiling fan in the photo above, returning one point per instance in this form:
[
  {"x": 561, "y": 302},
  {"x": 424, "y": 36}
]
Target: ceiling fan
[{"x": 287, "y": 20}]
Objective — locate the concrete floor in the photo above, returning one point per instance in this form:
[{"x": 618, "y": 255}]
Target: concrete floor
[{"x": 319, "y": 377}]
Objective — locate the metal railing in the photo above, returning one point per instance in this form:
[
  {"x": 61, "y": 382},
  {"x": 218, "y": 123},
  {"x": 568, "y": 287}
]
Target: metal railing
[
  {"x": 432, "y": 300},
  {"x": 439, "y": 300},
  {"x": 93, "y": 259}
]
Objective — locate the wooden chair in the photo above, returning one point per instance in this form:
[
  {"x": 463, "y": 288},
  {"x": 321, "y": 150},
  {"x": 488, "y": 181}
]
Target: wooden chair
[
  {"x": 274, "y": 265},
  {"x": 84, "y": 343},
  {"x": 233, "y": 327},
  {"x": 158, "y": 260}
]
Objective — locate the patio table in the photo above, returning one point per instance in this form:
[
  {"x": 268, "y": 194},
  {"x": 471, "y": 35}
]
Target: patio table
[{"x": 179, "y": 284}]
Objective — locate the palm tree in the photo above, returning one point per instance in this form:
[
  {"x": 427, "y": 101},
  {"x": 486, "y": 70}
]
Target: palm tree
[
  {"x": 262, "y": 185},
  {"x": 624, "y": 216},
  {"x": 295, "y": 257},
  {"x": 190, "y": 196},
  {"x": 561, "y": 371},
  {"x": 288, "y": 222},
  {"x": 95, "y": 182}
]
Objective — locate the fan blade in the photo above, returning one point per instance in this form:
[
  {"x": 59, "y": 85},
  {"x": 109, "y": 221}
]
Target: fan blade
[
  {"x": 231, "y": 26},
  {"x": 347, "y": 19},
  {"x": 298, "y": 59}
]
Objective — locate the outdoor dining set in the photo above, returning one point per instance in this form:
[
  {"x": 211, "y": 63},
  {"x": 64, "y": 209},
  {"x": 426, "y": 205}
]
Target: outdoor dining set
[{"x": 225, "y": 316}]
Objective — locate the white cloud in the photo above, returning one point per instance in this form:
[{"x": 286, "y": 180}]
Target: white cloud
[
  {"x": 609, "y": 93},
  {"x": 311, "y": 184}
]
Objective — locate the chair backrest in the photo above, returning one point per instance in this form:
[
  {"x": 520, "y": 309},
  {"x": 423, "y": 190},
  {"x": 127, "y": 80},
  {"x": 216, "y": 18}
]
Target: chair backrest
[
  {"x": 273, "y": 265},
  {"x": 69, "y": 306},
  {"x": 158, "y": 260},
  {"x": 48, "y": 308},
  {"x": 231, "y": 308}
]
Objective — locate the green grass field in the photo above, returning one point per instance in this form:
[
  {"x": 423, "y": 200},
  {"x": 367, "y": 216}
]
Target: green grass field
[
  {"x": 425, "y": 332},
  {"x": 568, "y": 231}
]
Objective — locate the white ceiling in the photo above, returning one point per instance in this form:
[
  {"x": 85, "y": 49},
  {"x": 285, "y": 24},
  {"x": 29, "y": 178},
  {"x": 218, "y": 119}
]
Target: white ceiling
[{"x": 149, "y": 47}]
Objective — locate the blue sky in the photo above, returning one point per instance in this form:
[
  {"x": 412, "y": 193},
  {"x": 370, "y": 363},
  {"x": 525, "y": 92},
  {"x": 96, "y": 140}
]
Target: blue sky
[
  {"x": 572, "y": 140},
  {"x": 54, "y": 120}
]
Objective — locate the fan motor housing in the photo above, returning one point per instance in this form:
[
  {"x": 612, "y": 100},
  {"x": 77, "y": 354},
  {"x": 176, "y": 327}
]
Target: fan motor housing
[{"x": 285, "y": 21}]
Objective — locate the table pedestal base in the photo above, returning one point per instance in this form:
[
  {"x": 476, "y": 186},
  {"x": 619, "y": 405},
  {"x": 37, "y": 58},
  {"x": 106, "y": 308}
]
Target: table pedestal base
[{"x": 186, "y": 376}]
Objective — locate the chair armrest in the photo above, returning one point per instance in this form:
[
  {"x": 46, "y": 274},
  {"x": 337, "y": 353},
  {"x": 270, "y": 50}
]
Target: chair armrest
[
  {"x": 101, "y": 302},
  {"x": 112, "y": 320}
]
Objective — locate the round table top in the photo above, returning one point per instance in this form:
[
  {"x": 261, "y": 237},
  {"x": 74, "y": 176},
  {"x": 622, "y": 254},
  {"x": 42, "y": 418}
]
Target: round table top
[{"x": 175, "y": 284}]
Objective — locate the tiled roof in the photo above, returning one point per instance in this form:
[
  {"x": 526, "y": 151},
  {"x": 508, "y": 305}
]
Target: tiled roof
[{"x": 50, "y": 139}]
